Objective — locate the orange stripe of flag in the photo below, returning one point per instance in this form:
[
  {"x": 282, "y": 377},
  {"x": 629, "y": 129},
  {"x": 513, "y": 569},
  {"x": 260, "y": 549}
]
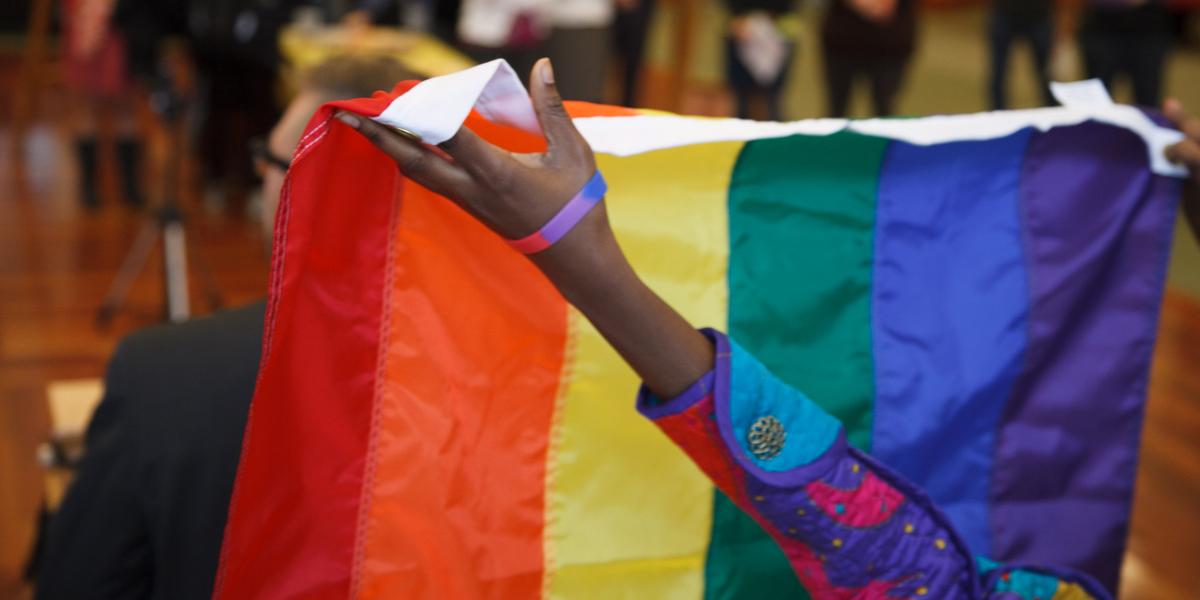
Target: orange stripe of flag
[{"x": 475, "y": 352}]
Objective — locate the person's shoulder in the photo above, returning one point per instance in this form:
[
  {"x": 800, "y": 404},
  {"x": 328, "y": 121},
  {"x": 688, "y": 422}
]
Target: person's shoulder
[
  {"x": 176, "y": 403},
  {"x": 224, "y": 344},
  {"x": 189, "y": 380},
  {"x": 218, "y": 330}
]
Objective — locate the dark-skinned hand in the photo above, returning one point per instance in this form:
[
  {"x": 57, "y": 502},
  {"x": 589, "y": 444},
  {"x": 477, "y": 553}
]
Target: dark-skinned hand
[
  {"x": 513, "y": 194},
  {"x": 1187, "y": 153},
  {"x": 516, "y": 194}
]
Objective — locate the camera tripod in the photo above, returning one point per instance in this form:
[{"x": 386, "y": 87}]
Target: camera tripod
[{"x": 165, "y": 222}]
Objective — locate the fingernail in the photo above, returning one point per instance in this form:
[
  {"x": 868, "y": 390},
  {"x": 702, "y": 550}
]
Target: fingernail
[
  {"x": 547, "y": 71},
  {"x": 348, "y": 119}
]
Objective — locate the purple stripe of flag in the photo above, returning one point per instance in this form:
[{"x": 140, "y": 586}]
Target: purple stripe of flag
[{"x": 1097, "y": 228}]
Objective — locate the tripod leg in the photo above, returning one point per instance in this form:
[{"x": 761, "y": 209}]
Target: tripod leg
[
  {"x": 175, "y": 271},
  {"x": 212, "y": 291},
  {"x": 143, "y": 245}
]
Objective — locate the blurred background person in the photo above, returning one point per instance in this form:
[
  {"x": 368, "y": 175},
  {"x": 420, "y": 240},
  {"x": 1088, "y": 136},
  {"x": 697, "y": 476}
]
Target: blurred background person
[
  {"x": 96, "y": 70},
  {"x": 1030, "y": 21},
  {"x": 236, "y": 53},
  {"x": 234, "y": 50},
  {"x": 630, "y": 30},
  {"x": 759, "y": 48},
  {"x": 579, "y": 41},
  {"x": 438, "y": 17},
  {"x": 145, "y": 513},
  {"x": 1128, "y": 38},
  {"x": 514, "y": 30},
  {"x": 445, "y": 19},
  {"x": 233, "y": 47},
  {"x": 871, "y": 40}
]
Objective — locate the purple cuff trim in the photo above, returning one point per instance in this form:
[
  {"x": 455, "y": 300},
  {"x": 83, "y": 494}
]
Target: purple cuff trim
[{"x": 652, "y": 407}]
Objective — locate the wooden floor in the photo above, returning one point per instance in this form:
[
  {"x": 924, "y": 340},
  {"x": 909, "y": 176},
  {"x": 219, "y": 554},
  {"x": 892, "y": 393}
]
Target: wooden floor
[
  {"x": 56, "y": 262},
  {"x": 1163, "y": 561}
]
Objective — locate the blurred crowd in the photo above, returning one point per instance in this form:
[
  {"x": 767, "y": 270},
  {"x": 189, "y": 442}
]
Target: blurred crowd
[{"x": 114, "y": 51}]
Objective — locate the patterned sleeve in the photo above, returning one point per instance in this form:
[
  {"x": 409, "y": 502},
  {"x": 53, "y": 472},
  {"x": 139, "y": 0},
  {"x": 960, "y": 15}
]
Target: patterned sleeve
[{"x": 849, "y": 526}]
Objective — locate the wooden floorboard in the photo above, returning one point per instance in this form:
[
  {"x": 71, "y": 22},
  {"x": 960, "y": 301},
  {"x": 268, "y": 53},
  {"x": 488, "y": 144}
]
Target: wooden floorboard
[{"x": 1164, "y": 544}]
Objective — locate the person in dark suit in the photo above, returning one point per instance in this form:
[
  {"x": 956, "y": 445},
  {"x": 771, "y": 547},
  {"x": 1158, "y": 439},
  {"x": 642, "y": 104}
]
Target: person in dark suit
[
  {"x": 144, "y": 515},
  {"x": 146, "y": 512}
]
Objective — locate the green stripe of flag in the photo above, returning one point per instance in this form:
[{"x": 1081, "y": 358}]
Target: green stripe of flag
[{"x": 801, "y": 220}]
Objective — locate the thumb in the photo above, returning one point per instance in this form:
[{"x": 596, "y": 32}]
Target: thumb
[{"x": 562, "y": 139}]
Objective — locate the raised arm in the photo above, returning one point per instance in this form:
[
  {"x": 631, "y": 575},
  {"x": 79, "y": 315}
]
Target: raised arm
[{"x": 516, "y": 194}]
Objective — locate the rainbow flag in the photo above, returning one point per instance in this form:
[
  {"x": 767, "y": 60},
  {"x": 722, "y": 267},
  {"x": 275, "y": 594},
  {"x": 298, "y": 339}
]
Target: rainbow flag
[{"x": 975, "y": 297}]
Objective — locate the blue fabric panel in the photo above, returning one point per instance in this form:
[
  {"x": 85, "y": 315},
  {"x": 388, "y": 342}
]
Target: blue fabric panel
[{"x": 949, "y": 311}]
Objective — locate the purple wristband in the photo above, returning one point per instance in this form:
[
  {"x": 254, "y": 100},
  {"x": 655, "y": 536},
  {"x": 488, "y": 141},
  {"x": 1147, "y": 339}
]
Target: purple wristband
[{"x": 566, "y": 219}]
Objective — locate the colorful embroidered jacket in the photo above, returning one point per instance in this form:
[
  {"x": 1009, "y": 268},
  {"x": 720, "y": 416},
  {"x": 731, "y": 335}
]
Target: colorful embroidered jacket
[{"x": 850, "y": 527}]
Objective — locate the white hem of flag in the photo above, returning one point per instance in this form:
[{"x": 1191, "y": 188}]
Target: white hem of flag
[{"x": 436, "y": 108}]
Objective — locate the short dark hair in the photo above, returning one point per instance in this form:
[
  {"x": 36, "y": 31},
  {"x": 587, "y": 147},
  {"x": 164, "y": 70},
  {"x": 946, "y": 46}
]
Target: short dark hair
[{"x": 354, "y": 75}]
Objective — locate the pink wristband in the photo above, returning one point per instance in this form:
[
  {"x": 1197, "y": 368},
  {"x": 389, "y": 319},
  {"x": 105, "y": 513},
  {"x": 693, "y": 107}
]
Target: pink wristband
[{"x": 566, "y": 219}]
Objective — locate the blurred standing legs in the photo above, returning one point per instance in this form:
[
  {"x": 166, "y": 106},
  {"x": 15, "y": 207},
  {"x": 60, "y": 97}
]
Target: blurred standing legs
[
  {"x": 630, "y": 30},
  {"x": 885, "y": 75},
  {"x": 95, "y": 69},
  {"x": 1005, "y": 30},
  {"x": 1133, "y": 42},
  {"x": 120, "y": 113},
  {"x": 580, "y": 56},
  {"x": 753, "y": 99},
  {"x": 872, "y": 40}
]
